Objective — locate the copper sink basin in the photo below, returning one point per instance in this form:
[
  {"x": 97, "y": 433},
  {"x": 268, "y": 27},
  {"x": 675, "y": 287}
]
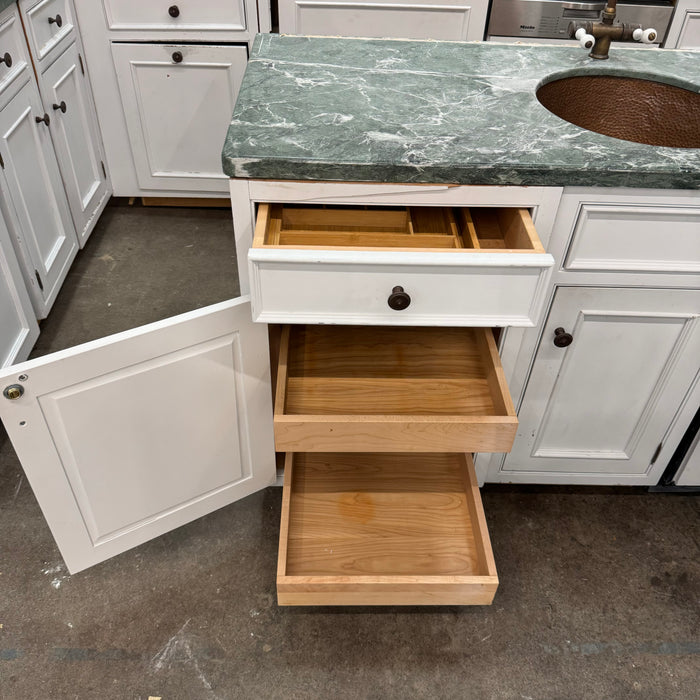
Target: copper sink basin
[{"x": 633, "y": 109}]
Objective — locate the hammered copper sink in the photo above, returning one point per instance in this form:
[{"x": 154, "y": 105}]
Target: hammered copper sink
[{"x": 632, "y": 109}]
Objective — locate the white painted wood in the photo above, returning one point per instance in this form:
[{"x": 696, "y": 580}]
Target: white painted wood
[
  {"x": 195, "y": 15},
  {"x": 352, "y": 287},
  {"x": 689, "y": 473},
  {"x": 12, "y": 42},
  {"x": 44, "y": 37},
  {"x": 76, "y": 138},
  {"x": 596, "y": 411},
  {"x": 635, "y": 237},
  {"x": 19, "y": 329},
  {"x": 409, "y": 19},
  {"x": 243, "y": 211},
  {"x": 130, "y": 436},
  {"x": 177, "y": 114},
  {"x": 684, "y": 31},
  {"x": 35, "y": 198}
]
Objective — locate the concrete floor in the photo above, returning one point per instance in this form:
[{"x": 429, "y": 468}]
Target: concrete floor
[{"x": 599, "y": 593}]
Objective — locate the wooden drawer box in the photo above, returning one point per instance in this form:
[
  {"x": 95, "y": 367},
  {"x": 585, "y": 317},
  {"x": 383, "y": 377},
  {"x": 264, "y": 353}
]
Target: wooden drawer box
[
  {"x": 389, "y": 529},
  {"x": 386, "y": 389},
  {"x": 458, "y": 267}
]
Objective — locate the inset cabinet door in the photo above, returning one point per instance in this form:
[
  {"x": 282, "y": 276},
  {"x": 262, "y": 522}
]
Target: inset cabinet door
[
  {"x": 47, "y": 242},
  {"x": 178, "y": 101},
  {"x": 598, "y": 408},
  {"x": 77, "y": 140}
]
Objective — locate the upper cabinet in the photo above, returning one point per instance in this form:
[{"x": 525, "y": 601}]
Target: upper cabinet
[
  {"x": 684, "y": 32},
  {"x": 165, "y": 78},
  {"x": 451, "y": 20}
]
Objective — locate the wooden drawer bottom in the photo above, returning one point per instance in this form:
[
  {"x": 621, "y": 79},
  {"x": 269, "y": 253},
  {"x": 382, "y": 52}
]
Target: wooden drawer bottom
[{"x": 383, "y": 529}]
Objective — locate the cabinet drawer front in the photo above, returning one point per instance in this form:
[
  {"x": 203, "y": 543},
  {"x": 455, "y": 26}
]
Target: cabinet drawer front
[
  {"x": 175, "y": 15},
  {"x": 636, "y": 238},
  {"x": 383, "y": 389},
  {"x": 12, "y": 50},
  {"x": 479, "y": 267},
  {"x": 391, "y": 529},
  {"x": 48, "y": 24}
]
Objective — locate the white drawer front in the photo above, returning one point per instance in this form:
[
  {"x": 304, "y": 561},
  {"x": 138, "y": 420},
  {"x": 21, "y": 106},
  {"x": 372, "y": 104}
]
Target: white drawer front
[
  {"x": 645, "y": 239},
  {"x": 13, "y": 50},
  {"x": 175, "y": 15},
  {"x": 48, "y": 23},
  {"x": 353, "y": 288}
]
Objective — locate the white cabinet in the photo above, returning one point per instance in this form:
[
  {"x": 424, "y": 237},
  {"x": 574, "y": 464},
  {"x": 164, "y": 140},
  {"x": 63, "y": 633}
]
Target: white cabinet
[
  {"x": 177, "y": 102},
  {"x": 451, "y": 20},
  {"x": 684, "y": 31},
  {"x": 36, "y": 200},
  {"x": 19, "y": 327},
  {"x": 76, "y": 137},
  {"x": 597, "y": 410}
]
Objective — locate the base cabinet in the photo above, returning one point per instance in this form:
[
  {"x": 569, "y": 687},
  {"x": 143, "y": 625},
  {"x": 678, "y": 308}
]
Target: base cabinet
[{"x": 599, "y": 407}]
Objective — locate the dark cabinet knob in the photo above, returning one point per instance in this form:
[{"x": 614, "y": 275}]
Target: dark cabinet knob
[
  {"x": 177, "y": 56},
  {"x": 398, "y": 299},
  {"x": 57, "y": 20},
  {"x": 174, "y": 11},
  {"x": 6, "y": 59},
  {"x": 562, "y": 339},
  {"x": 46, "y": 119},
  {"x": 62, "y": 107}
]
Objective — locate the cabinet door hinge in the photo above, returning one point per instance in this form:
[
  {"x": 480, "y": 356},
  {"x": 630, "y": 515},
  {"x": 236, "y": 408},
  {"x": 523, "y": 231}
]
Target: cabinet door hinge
[
  {"x": 38, "y": 279},
  {"x": 82, "y": 66},
  {"x": 657, "y": 452},
  {"x": 2, "y": 162},
  {"x": 104, "y": 170}
]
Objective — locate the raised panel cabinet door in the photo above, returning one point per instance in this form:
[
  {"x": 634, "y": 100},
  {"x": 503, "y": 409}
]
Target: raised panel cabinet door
[
  {"x": 178, "y": 101},
  {"x": 18, "y": 327},
  {"x": 36, "y": 197},
  {"x": 598, "y": 408},
  {"x": 76, "y": 137},
  {"x": 452, "y": 20},
  {"x": 130, "y": 436}
]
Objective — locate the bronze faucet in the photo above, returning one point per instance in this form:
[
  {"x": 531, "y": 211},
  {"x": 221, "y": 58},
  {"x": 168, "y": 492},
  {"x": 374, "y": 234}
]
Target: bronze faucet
[{"x": 598, "y": 35}]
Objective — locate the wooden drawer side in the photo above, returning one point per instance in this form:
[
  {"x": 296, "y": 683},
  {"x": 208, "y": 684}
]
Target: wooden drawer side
[
  {"x": 379, "y": 389},
  {"x": 367, "y": 529}
]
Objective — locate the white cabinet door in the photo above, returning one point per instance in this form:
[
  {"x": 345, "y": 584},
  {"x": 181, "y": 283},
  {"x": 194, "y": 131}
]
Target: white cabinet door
[
  {"x": 684, "y": 32},
  {"x": 597, "y": 410},
  {"x": 36, "y": 197},
  {"x": 449, "y": 20},
  {"x": 130, "y": 436},
  {"x": 76, "y": 138},
  {"x": 18, "y": 327},
  {"x": 178, "y": 101}
]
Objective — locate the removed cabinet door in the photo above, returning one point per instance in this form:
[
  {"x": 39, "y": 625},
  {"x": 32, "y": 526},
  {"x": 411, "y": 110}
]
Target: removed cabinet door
[
  {"x": 178, "y": 101},
  {"x": 130, "y": 436}
]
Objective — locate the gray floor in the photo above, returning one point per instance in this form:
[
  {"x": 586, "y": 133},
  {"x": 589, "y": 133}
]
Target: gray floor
[{"x": 599, "y": 592}]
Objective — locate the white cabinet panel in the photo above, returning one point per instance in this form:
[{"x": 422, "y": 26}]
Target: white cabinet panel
[
  {"x": 409, "y": 19},
  {"x": 18, "y": 327},
  {"x": 49, "y": 25},
  {"x": 36, "y": 197},
  {"x": 13, "y": 50},
  {"x": 178, "y": 101},
  {"x": 77, "y": 140},
  {"x": 597, "y": 410},
  {"x": 128, "y": 437},
  {"x": 684, "y": 32}
]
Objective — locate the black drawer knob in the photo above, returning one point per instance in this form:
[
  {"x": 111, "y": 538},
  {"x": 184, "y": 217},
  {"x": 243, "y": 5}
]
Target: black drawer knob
[
  {"x": 174, "y": 11},
  {"x": 562, "y": 339},
  {"x": 6, "y": 59},
  {"x": 177, "y": 57},
  {"x": 45, "y": 119},
  {"x": 398, "y": 299},
  {"x": 57, "y": 20},
  {"x": 62, "y": 107}
]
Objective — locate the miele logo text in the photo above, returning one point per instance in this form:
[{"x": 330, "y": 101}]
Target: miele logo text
[{"x": 527, "y": 27}]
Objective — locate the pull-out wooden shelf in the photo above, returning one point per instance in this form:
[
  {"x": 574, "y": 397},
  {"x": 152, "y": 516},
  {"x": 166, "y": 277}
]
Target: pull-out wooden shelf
[
  {"x": 383, "y": 529},
  {"x": 460, "y": 266},
  {"x": 382, "y": 389}
]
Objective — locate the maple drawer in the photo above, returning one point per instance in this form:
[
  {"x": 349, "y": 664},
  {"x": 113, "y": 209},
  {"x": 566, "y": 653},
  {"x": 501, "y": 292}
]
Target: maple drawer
[
  {"x": 453, "y": 266},
  {"x": 388, "y": 389},
  {"x": 383, "y": 529}
]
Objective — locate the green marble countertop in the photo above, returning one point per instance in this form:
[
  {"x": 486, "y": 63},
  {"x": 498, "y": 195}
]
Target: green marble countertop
[
  {"x": 383, "y": 110},
  {"x": 4, "y": 4}
]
